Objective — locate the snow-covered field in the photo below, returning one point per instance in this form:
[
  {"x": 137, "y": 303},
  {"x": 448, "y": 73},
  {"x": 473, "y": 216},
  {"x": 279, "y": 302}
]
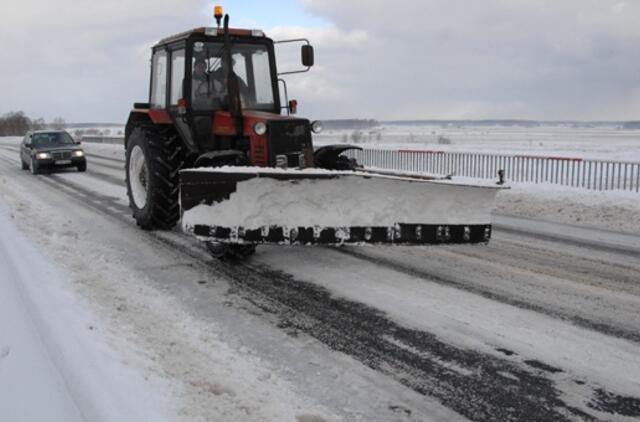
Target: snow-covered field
[
  {"x": 599, "y": 143},
  {"x": 603, "y": 143},
  {"x": 541, "y": 324}
]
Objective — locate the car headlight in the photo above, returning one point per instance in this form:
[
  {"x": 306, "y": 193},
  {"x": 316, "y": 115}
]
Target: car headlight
[
  {"x": 43, "y": 155},
  {"x": 78, "y": 153},
  {"x": 260, "y": 128},
  {"x": 316, "y": 127}
]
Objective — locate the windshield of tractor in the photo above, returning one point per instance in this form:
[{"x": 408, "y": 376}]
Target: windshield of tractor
[{"x": 251, "y": 66}]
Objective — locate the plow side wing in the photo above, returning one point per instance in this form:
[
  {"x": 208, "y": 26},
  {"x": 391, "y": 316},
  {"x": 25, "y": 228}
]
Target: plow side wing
[{"x": 257, "y": 205}]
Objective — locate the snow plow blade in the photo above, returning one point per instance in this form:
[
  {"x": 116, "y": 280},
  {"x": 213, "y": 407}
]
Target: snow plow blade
[{"x": 240, "y": 205}]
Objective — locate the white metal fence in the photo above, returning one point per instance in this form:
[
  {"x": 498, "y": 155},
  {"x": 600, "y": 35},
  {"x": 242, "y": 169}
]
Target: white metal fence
[{"x": 576, "y": 172}]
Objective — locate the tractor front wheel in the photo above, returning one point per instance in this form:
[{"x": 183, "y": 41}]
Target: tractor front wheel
[{"x": 153, "y": 160}]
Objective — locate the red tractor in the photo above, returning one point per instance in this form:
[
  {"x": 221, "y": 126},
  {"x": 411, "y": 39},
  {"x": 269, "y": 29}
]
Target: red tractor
[{"x": 215, "y": 106}]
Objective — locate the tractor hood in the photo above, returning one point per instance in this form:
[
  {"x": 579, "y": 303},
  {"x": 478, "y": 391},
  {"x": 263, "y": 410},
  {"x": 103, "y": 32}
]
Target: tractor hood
[
  {"x": 275, "y": 140},
  {"x": 223, "y": 124}
]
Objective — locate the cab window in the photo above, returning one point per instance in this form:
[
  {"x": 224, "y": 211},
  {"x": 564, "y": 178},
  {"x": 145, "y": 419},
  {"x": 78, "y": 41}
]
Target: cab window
[
  {"x": 177, "y": 75},
  {"x": 159, "y": 80}
]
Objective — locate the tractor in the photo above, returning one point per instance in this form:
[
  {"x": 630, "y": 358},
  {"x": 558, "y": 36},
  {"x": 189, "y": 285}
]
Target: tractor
[{"x": 215, "y": 129}]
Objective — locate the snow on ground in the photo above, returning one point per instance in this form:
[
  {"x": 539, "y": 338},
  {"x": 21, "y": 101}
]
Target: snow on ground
[
  {"x": 602, "y": 142},
  {"x": 611, "y": 210},
  {"x": 214, "y": 362},
  {"x": 475, "y": 322},
  {"x": 587, "y": 143},
  {"x": 209, "y": 377},
  {"x": 54, "y": 363},
  {"x": 204, "y": 377}
]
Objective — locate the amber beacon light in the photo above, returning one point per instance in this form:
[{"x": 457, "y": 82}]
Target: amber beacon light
[{"x": 217, "y": 13}]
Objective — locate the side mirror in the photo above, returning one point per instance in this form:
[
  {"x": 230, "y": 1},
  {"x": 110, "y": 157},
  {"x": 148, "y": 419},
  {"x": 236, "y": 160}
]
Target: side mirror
[
  {"x": 293, "y": 107},
  {"x": 78, "y": 142},
  {"x": 307, "y": 55},
  {"x": 27, "y": 144}
]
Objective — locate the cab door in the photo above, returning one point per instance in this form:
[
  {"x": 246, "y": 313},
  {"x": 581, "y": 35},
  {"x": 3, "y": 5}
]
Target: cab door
[{"x": 176, "y": 87}]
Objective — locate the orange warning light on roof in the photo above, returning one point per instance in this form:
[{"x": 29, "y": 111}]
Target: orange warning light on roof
[{"x": 217, "y": 13}]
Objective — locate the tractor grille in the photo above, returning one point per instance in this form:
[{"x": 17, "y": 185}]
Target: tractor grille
[
  {"x": 61, "y": 155},
  {"x": 290, "y": 138}
]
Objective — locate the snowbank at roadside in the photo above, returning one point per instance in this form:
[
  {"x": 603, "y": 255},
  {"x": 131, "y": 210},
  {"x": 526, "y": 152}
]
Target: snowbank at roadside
[
  {"x": 609, "y": 210},
  {"x": 53, "y": 365}
]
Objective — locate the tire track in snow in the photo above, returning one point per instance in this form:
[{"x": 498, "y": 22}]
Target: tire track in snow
[
  {"x": 568, "y": 241},
  {"x": 477, "y": 385},
  {"x": 445, "y": 280}
]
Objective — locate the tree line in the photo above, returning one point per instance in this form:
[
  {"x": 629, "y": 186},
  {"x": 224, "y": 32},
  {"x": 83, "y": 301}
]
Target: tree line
[{"x": 16, "y": 123}]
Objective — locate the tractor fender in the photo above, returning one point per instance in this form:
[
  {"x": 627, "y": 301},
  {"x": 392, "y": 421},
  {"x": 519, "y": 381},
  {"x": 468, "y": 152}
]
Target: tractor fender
[
  {"x": 141, "y": 114},
  {"x": 327, "y": 157},
  {"x": 222, "y": 157}
]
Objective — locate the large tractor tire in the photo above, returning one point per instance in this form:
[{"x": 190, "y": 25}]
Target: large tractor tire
[{"x": 154, "y": 157}]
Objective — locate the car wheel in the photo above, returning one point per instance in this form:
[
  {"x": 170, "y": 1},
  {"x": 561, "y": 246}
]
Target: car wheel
[
  {"x": 25, "y": 166},
  {"x": 34, "y": 166},
  {"x": 82, "y": 167}
]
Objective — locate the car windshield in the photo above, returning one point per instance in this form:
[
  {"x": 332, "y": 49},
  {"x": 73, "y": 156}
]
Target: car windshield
[
  {"x": 251, "y": 65},
  {"x": 51, "y": 139}
]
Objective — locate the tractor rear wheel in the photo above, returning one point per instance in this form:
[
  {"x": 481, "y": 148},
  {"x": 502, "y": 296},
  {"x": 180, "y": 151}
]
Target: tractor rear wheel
[{"x": 154, "y": 157}]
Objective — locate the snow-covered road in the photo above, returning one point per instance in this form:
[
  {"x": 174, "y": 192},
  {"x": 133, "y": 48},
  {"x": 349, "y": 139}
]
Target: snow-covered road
[{"x": 542, "y": 324}]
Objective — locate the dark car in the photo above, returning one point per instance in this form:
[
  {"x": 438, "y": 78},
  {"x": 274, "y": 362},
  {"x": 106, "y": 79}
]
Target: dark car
[{"x": 48, "y": 149}]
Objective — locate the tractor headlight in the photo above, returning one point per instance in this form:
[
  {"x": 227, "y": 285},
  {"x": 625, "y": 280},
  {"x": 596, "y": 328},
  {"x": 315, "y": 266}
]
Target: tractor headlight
[
  {"x": 78, "y": 153},
  {"x": 43, "y": 155},
  {"x": 260, "y": 128},
  {"x": 316, "y": 127}
]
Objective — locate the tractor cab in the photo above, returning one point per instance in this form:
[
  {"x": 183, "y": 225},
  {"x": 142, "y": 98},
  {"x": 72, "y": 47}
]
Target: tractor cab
[
  {"x": 192, "y": 67},
  {"x": 219, "y": 89},
  {"x": 213, "y": 148}
]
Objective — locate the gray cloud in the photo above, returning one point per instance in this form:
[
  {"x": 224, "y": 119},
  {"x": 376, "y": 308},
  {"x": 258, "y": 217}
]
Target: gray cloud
[
  {"x": 406, "y": 59},
  {"x": 84, "y": 60},
  {"x": 491, "y": 58}
]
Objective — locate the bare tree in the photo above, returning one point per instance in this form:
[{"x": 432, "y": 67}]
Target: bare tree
[
  {"x": 14, "y": 123},
  {"x": 58, "y": 123},
  {"x": 38, "y": 124}
]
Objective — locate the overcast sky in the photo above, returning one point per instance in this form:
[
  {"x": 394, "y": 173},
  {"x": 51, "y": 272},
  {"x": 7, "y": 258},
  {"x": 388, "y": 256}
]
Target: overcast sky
[{"x": 403, "y": 59}]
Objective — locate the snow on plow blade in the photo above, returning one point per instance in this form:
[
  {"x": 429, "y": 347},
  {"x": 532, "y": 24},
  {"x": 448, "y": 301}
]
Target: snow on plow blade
[{"x": 314, "y": 206}]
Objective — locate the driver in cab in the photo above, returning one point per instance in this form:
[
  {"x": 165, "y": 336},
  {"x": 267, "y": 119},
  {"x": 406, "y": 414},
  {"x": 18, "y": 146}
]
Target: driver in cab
[{"x": 209, "y": 89}]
